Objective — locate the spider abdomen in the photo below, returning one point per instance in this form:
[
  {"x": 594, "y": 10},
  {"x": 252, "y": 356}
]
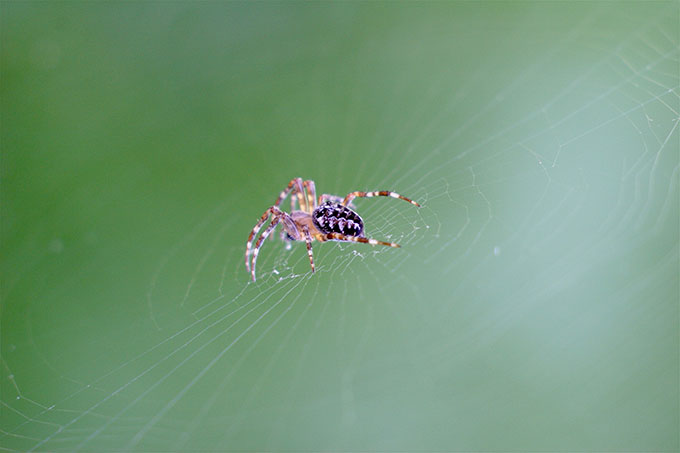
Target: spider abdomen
[{"x": 333, "y": 217}]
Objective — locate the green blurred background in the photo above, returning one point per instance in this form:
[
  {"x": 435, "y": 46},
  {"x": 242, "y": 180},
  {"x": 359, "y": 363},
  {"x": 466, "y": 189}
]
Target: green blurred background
[{"x": 533, "y": 304}]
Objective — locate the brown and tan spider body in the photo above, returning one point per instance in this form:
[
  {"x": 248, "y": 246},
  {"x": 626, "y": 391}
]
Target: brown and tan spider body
[{"x": 331, "y": 219}]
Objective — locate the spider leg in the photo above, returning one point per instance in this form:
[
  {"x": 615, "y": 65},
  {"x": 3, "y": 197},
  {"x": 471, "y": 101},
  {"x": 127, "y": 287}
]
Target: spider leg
[
  {"x": 311, "y": 195},
  {"x": 381, "y": 193},
  {"x": 308, "y": 240},
  {"x": 322, "y": 237},
  {"x": 273, "y": 210},
  {"x": 299, "y": 193},
  {"x": 295, "y": 185},
  {"x": 260, "y": 241}
]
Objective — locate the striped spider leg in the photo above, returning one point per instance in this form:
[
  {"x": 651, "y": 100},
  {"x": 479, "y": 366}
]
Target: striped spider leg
[
  {"x": 277, "y": 216},
  {"x": 273, "y": 210},
  {"x": 308, "y": 241},
  {"x": 295, "y": 185},
  {"x": 382, "y": 193},
  {"x": 304, "y": 192},
  {"x": 311, "y": 195},
  {"x": 323, "y": 237}
]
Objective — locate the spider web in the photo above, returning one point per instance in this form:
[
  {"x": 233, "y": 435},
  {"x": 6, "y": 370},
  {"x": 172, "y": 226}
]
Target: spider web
[{"x": 538, "y": 283}]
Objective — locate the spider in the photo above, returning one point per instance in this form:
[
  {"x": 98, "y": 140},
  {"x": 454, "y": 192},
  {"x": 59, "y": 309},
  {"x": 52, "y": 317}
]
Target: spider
[{"x": 331, "y": 219}]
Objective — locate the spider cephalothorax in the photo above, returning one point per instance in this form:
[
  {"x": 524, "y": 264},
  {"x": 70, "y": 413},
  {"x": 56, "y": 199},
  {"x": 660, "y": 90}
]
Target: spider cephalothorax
[{"x": 329, "y": 219}]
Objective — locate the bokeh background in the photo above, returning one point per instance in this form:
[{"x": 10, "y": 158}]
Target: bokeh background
[{"x": 533, "y": 304}]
